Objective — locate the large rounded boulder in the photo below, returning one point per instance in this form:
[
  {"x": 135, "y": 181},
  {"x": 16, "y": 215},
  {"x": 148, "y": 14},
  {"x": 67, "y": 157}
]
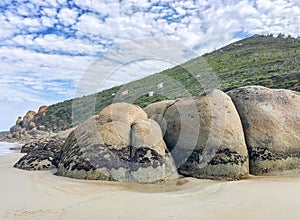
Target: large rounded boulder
[
  {"x": 205, "y": 136},
  {"x": 118, "y": 144},
  {"x": 271, "y": 121}
]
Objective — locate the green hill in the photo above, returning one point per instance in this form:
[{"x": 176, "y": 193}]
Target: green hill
[{"x": 269, "y": 61}]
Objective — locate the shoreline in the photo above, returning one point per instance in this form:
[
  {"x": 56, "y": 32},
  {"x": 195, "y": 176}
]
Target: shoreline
[
  {"x": 7, "y": 148},
  {"x": 33, "y": 195}
]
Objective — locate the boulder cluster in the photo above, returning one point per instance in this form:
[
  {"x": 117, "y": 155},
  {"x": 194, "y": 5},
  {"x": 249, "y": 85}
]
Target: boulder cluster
[
  {"x": 120, "y": 144},
  {"x": 26, "y": 127},
  {"x": 214, "y": 135}
]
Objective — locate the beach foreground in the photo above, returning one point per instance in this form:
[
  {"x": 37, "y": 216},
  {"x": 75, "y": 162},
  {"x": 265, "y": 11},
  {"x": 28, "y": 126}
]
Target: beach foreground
[{"x": 41, "y": 195}]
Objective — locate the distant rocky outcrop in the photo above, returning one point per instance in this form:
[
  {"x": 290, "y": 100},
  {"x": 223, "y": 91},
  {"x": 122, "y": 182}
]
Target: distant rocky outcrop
[
  {"x": 26, "y": 128},
  {"x": 118, "y": 144},
  {"x": 205, "y": 136},
  {"x": 42, "y": 110},
  {"x": 28, "y": 122},
  {"x": 271, "y": 121}
]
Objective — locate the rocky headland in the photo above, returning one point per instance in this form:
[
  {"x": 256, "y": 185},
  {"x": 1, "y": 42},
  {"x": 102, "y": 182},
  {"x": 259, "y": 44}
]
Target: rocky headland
[{"x": 27, "y": 129}]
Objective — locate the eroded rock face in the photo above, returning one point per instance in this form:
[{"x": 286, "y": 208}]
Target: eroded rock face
[
  {"x": 15, "y": 129},
  {"x": 121, "y": 112},
  {"x": 205, "y": 136},
  {"x": 271, "y": 121},
  {"x": 42, "y": 109},
  {"x": 28, "y": 117},
  {"x": 37, "y": 160},
  {"x": 19, "y": 121},
  {"x": 156, "y": 112},
  {"x": 41, "y": 155},
  {"x": 115, "y": 145},
  {"x": 149, "y": 151}
]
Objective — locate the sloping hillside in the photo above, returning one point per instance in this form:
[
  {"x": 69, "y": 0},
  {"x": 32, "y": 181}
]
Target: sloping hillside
[{"x": 269, "y": 61}]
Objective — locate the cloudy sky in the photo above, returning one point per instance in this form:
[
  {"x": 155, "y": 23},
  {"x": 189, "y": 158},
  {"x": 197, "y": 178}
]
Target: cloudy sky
[{"x": 47, "y": 45}]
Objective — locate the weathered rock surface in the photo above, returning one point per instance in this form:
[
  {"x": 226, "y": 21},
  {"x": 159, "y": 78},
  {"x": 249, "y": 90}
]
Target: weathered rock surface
[
  {"x": 156, "y": 112},
  {"x": 205, "y": 137},
  {"x": 147, "y": 133},
  {"x": 27, "y": 119},
  {"x": 52, "y": 145},
  {"x": 41, "y": 155},
  {"x": 19, "y": 121},
  {"x": 271, "y": 121},
  {"x": 121, "y": 112},
  {"x": 150, "y": 152},
  {"x": 115, "y": 146},
  {"x": 36, "y": 160},
  {"x": 42, "y": 109}
]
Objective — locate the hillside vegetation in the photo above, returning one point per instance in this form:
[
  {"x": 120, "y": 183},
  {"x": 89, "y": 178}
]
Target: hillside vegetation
[{"x": 269, "y": 61}]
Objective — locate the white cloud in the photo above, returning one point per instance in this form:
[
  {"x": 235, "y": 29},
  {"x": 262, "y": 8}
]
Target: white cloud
[
  {"x": 53, "y": 3},
  {"x": 51, "y": 12},
  {"x": 90, "y": 24},
  {"x": 66, "y": 67},
  {"x": 23, "y": 10},
  {"x": 12, "y": 94},
  {"x": 137, "y": 3},
  {"x": 47, "y": 22},
  {"x": 67, "y": 16},
  {"x": 52, "y": 42},
  {"x": 31, "y": 22},
  {"x": 12, "y": 19}
]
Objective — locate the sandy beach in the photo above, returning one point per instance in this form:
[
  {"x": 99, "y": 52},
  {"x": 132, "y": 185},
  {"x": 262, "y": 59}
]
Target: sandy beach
[{"x": 41, "y": 195}]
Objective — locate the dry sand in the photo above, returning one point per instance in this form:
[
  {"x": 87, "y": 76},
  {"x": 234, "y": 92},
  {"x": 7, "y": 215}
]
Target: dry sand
[{"x": 41, "y": 195}]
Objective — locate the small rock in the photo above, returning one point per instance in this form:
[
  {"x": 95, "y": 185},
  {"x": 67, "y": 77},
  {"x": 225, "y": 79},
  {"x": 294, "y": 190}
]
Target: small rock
[{"x": 40, "y": 154}]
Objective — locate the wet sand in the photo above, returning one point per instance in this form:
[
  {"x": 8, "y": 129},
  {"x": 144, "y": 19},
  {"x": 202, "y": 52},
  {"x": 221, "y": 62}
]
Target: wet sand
[{"x": 40, "y": 195}]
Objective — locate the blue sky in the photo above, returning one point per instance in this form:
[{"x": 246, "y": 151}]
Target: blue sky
[{"x": 46, "y": 45}]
